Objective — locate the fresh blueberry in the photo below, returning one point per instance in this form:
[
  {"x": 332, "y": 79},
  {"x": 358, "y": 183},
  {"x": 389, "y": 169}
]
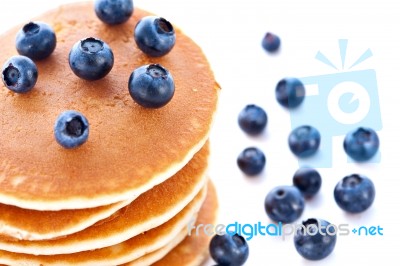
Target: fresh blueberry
[
  {"x": 308, "y": 181},
  {"x": 251, "y": 161},
  {"x": 155, "y": 36},
  {"x": 91, "y": 59},
  {"x": 253, "y": 119},
  {"x": 36, "y": 40},
  {"x": 19, "y": 74},
  {"x": 71, "y": 129},
  {"x": 304, "y": 141},
  {"x": 113, "y": 11},
  {"x": 229, "y": 249},
  {"x": 284, "y": 204},
  {"x": 354, "y": 193},
  {"x": 316, "y": 239},
  {"x": 151, "y": 86},
  {"x": 290, "y": 92},
  {"x": 361, "y": 144},
  {"x": 271, "y": 42}
]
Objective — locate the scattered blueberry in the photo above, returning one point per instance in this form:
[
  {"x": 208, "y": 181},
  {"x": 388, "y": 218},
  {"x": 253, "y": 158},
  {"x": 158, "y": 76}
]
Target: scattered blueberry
[
  {"x": 229, "y": 249},
  {"x": 113, "y": 11},
  {"x": 316, "y": 240},
  {"x": 36, "y": 40},
  {"x": 19, "y": 74},
  {"x": 71, "y": 129},
  {"x": 308, "y": 181},
  {"x": 251, "y": 161},
  {"x": 290, "y": 92},
  {"x": 354, "y": 193},
  {"x": 155, "y": 36},
  {"x": 271, "y": 42},
  {"x": 284, "y": 204},
  {"x": 151, "y": 86},
  {"x": 361, "y": 144},
  {"x": 304, "y": 141},
  {"x": 91, "y": 59},
  {"x": 253, "y": 119}
]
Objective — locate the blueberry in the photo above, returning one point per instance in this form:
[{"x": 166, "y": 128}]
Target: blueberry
[
  {"x": 251, "y": 161},
  {"x": 290, "y": 92},
  {"x": 316, "y": 239},
  {"x": 151, "y": 86},
  {"x": 71, "y": 129},
  {"x": 113, "y": 11},
  {"x": 308, "y": 181},
  {"x": 304, "y": 141},
  {"x": 253, "y": 119},
  {"x": 229, "y": 249},
  {"x": 354, "y": 193},
  {"x": 271, "y": 42},
  {"x": 36, "y": 40},
  {"x": 361, "y": 144},
  {"x": 284, "y": 204},
  {"x": 19, "y": 74},
  {"x": 155, "y": 36},
  {"x": 91, "y": 59}
]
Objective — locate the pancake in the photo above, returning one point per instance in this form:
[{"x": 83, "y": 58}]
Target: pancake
[
  {"x": 154, "y": 256},
  {"x": 121, "y": 253},
  {"x": 193, "y": 250},
  {"x": 130, "y": 148},
  {"x": 42, "y": 225},
  {"x": 24, "y": 224},
  {"x": 149, "y": 210}
]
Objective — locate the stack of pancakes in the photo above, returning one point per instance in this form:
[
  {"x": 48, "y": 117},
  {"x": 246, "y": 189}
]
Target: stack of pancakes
[{"x": 126, "y": 196}]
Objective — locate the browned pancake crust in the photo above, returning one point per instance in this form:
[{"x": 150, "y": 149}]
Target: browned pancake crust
[
  {"x": 151, "y": 208},
  {"x": 28, "y": 224},
  {"x": 128, "y": 146},
  {"x": 193, "y": 250},
  {"x": 133, "y": 248},
  {"x": 53, "y": 223}
]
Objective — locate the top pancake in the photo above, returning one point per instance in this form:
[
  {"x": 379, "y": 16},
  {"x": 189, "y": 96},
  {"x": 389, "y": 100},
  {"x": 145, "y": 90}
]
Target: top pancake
[{"x": 130, "y": 148}]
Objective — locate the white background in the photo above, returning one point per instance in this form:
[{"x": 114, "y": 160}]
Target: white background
[{"x": 230, "y": 34}]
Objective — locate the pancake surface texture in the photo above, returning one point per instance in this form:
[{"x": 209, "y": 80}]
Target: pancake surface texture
[
  {"x": 130, "y": 148},
  {"x": 149, "y": 210},
  {"x": 189, "y": 251},
  {"x": 40, "y": 225},
  {"x": 126, "y": 251},
  {"x": 193, "y": 250}
]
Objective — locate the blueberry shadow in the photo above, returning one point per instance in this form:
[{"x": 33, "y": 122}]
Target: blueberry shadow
[
  {"x": 256, "y": 179},
  {"x": 315, "y": 202},
  {"x": 360, "y": 218}
]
